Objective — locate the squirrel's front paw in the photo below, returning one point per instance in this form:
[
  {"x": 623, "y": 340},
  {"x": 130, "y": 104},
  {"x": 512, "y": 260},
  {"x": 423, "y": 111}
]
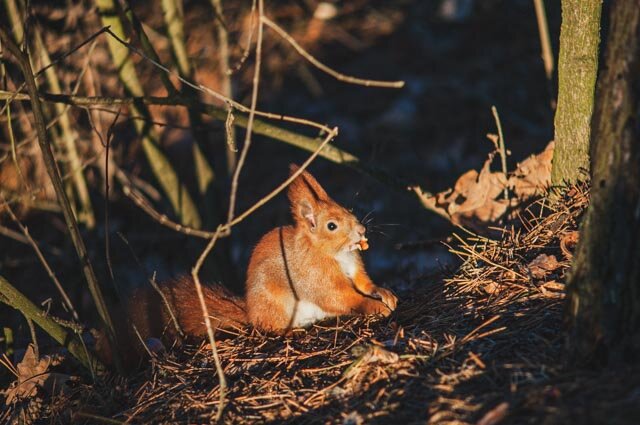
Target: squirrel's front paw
[{"x": 387, "y": 298}]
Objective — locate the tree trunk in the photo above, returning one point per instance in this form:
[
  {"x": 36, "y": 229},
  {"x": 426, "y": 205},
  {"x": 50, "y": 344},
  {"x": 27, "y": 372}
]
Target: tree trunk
[
  {"x": 604, "y": 288},
  {"x": 577, "y": 71}
]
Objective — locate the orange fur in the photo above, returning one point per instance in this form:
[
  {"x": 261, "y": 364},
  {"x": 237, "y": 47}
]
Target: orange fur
[
  {"x": 294, "y": 268},
  {"x": 297, "y": 275},
  {"x": 146, "y": 315}
]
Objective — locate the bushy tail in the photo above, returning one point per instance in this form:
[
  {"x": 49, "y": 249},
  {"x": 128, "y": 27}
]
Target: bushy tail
[
  {"x": 149, "y": 314},
  {"x": 226, "y": 311}
]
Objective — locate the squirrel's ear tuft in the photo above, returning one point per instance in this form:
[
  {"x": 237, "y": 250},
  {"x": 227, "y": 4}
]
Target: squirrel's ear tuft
[
  {"x": 304, "y": 194},
  {"x": 306, "y": 184}
]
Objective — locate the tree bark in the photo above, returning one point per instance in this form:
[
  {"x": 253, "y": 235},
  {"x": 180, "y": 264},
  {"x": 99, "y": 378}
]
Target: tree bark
[
  {"x": 604, "y": 288},
  {"x": 577, "y": 72}
]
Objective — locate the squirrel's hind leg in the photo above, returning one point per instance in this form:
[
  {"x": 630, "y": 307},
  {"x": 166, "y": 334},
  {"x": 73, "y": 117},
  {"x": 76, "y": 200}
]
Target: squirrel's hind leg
[{"x": 269, "y": 310}]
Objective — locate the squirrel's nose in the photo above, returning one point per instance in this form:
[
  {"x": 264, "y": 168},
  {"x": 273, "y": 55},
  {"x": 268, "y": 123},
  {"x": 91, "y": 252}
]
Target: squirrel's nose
[{"x": 361, "y": 229}]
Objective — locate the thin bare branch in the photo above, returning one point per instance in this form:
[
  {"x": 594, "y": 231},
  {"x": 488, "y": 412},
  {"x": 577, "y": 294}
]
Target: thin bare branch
[
  {"x": 545, "y": 39},
  {"x": 215, "y": 94},
  {"x": 254, "y": 102},
  {"x": 207, "y": 321},
  {"x": 333, "y": 133},
  {"x": 227, "y": 90},
  {"x": 43, "y": 260},
  {"x": 315, "y": 62},
  {"x": 132, "y": 193},
  {"x": 502, "y": 150},
  {"x": 49, "y": 161}
]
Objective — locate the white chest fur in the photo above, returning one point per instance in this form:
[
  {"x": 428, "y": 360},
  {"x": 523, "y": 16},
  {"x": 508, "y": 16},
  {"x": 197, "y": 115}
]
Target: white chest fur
[
  {"x": 348, "y": 262},
  {"x": 307, "y": 313}
]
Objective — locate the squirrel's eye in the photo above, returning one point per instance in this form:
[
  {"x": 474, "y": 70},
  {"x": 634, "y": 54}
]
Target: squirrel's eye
[{"x": 332, "y": 226}]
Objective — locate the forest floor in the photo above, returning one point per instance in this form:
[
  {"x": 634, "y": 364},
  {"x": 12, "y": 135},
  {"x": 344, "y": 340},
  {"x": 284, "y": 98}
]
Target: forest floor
[
  {"x": 478, "y": 336},
  {"x": 481, "y": 345}
]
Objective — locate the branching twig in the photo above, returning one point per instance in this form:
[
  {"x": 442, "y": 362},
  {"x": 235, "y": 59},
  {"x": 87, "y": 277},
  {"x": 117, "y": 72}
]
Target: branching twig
[
  {"x": 272, "y": 131},
  {"x": 333, "y": 133},
  {"x": 207, "y": 321},
  {"x": 58, "y": 60},
  {"x": 215, "y": 94},
  {"x": 43, "y": 260},
  {"x": 254, "y": 102},
  {"x": 315, "y": 62},
  {"x": 49, "y": 161},
  {"x": 129, "y": 191}
]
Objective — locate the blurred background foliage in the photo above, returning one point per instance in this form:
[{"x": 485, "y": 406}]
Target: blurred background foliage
[{"x": 458, "y": 58}]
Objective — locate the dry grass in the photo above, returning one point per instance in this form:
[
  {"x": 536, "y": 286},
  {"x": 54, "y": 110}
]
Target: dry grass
[{"x": 483, "y": 344}]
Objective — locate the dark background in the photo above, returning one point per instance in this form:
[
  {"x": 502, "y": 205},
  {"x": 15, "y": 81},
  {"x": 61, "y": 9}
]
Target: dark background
[{"x": 455, "y": 67}]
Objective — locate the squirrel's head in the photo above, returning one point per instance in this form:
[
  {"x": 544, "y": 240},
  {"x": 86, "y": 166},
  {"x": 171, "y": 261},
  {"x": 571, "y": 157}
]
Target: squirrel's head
[{"x": 330, "y": 227}]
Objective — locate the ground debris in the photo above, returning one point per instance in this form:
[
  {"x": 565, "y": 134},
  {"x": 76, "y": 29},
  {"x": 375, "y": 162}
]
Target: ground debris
[{"x": 482, "y": 345}]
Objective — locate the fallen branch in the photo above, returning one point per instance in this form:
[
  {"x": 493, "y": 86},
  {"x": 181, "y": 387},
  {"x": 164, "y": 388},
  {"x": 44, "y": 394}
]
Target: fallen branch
[{"x": 14, "y": 298}]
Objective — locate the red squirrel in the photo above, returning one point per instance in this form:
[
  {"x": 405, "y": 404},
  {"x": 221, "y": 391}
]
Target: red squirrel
[{"x": 297, "y": 275}]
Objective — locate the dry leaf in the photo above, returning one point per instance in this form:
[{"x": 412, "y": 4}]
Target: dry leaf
[
  {"x": 476, "y": 199},
  {"x": 370, "y": 354},
  {"x": 533, "y": 175},
  {"x": 33, "y": 375},
  {"x": 542, "y": 265},
  {"x": 379, "y": 354}
]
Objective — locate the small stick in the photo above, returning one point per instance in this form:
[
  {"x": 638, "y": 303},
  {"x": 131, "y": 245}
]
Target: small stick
[
  {"x": 207, "y": 321},
  {"x": 43, "y": 260},
  {"x": 142, "y": 341},
  {"x": 138, "y": 199},
  {"x": 12, "y": 234},
  {"x": 153, "y": 283},
  {"x": 252, "y": 113},
  {"x": 32, "y": 330},
  {"x": 545, "y": 40},
  {"x": 247, "y": 49},
  {"x": 227, "y": 89},
  {"x": 502, "y": 150}
]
